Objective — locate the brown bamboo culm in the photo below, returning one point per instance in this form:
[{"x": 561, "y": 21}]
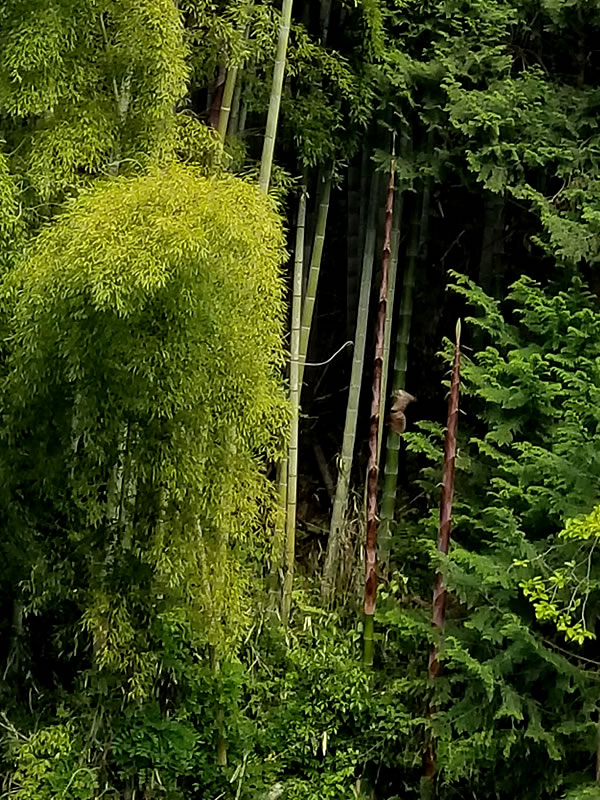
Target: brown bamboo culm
[
  {"x": 438, "y": 616},
  {"x": 370, "y": 592}
]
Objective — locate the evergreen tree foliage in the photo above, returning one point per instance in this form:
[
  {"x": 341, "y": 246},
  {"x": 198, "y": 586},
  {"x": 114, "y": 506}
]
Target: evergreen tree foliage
[{"x": 509, "y": 689}]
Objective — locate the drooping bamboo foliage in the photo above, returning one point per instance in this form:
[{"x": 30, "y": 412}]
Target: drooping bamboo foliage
[
  {"x": 295, "y": 385},
  {"x": 370, "y": 591},
  {"x": 266, "y": 161},
  {"x": 345, "y": 462},
  {"x": 312, "y": 283},
  {"x": 438, "y": 616},
  {"x": 392, "y": 451},
  {"x": 112, "y": 423}
]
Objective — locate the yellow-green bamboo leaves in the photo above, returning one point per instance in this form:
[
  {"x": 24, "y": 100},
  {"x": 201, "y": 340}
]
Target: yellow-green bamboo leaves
[
  {"x": 147, "y": 335},
  {"x": 87, "y": 87},
  {"x": 11, "y": 223}
]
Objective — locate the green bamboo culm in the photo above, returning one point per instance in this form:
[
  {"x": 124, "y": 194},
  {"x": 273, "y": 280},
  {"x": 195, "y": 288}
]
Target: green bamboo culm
[
  {"x": 392, "y": 455},
  {"x": 313, "y": 274},
  {"x": 278, "y": 554},
  {"x": 292, "y": 482},
  {"x": 230, "y": 102},
  {"x": 266, "y": 161},
  {"x": 226, "y": 102},
  {"x": 221, "y": 745},
  {"x": 264, "y": 179},
  {"x": 354, "y": 230},
  {"x": 368, "y": 639},
  {"x": 233, "y": 125},
  {"x": 330, "y": 568},
  {"x": 325, "y": 15}
]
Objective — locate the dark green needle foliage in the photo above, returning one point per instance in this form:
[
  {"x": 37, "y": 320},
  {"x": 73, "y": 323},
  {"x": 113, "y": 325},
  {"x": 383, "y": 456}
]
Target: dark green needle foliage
[{"x": 528, "y": 463}]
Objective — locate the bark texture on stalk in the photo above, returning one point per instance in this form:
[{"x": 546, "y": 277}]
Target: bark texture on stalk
[
  {"x": 370, "y": 592},
  {"x": 389, "y": 318},
  {"x": 438, "y": 617}
]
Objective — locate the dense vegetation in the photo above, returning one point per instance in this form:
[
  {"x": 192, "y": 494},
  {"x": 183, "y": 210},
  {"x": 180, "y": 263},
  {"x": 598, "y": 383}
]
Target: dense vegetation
[{"x": 226, "y": 243}]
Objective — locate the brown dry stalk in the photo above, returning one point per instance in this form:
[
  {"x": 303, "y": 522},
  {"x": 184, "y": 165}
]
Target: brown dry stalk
[{"x": 370, "y": 593}]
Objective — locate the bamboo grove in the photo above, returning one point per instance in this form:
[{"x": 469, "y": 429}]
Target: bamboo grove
[{"x": 299, "y": 399}]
